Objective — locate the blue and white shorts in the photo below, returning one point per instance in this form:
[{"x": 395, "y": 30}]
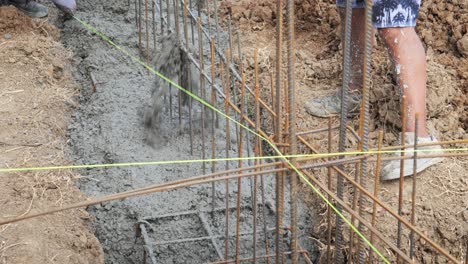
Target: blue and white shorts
[{"x": 390, "y": 13}]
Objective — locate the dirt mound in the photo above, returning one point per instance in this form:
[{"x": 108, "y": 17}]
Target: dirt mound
[{"x": 34, "y": 103}]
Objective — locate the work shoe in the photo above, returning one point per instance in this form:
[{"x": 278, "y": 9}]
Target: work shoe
[
  {"x": 67, "y": 6},
  {"x": 330, "y": 105},
  {"x": 30, "y": 8},
  {"x": 391, "y": 171}
]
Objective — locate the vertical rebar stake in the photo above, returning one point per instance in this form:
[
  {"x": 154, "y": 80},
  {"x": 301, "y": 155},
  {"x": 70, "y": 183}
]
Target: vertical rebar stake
[
  {"x": 365, "y": 125},
  {"x": 139, "y": 28},
  {"x": 233, "y": 81},
  {"x": 177, "y": 26},
  {"x": 213, "y": 144},
  {"x": 189, "y": 75},
  {"x": 256, "y": 153},
  {"x": 241, "y": 67},
  {"x": 147, "y": 37},
  {"x": 162, "y": 18},
  {"x": 329, "y": 209},
  {"x": 402, "y": 169},
  {"x": 239, "y": 181},
  {"x": 413, "y": 193},
  {"x": 168, "y": 14},
  {"x": 376, "y": 192},
  {"x": 343, "y": 122},
  {"x": 202, "y": 90},
  {"x": 279, "y": 138},
  {"x": 228, "y": 146},
  {"x": 292, "y": 130},
  {"x": 192, "y": 24},
  {"x": 154, "y": 26}
]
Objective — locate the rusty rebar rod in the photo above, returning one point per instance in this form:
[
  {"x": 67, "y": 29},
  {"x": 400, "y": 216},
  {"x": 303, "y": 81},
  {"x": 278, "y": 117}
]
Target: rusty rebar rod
[
  {"x": 386, "y": 207},
  {"x": 188, "y": 75},
  {"x": 244, "y": 113},
  {"x": 202, "y": 90},
  {"x": 376, "y": 192},
  {"x": 239, "y": 182},
  {"x": 278, "y": 131},
  {"x": 233, "y": 81},
  {"x": 343, "y": 121},
  {"x": 168, "y": 15},
  {"x": 177, "y": 27},
  {"x": 272, "y": 94},
  {"x": 413, "y": 192},
  {"x": 153, "y": 13},
  {"x": 329, "y": 181},
  {"x": 228, "y": 146},
  {"x": 256, "y": 153},
  {"x": 147, "y": 37},
  {"x": 292, "y": 128},
  {"x": 136, "y": 16},
  {"x": 365, "y": 125},
  {"x": 139, "y": 28},
  {"x": 192, "y": 24},
  {"x": 262, "y": 190},
  {"x": 168, "y": 186},
  {"x": 161, "y": 16},
  {"x": 213, "y": 115},
  {"x": 402, "y": 168}
]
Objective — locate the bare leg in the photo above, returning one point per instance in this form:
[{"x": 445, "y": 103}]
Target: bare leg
[{"x": 408, "y": 55}]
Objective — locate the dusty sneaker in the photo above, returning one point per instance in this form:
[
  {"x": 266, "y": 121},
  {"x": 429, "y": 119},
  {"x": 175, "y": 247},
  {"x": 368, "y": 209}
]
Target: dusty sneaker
[
  {"x": 391, "y": 171},
  {"x": 330, "y": 105},
  {"x": 30, "y": 8},
  {"x": 67, "y": 6}
]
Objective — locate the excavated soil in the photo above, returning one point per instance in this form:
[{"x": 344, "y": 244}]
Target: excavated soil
[
  {"x": 36, "y": 93},
  {"x": 443, "y": 29}
]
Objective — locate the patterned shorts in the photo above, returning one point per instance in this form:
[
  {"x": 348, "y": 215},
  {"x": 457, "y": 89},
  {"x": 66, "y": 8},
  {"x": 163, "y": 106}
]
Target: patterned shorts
[{"x": 390, "y": 13}]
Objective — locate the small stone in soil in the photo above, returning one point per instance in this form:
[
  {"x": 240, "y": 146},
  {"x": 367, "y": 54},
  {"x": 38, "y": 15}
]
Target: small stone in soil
[{"x": 7, "y": 36}]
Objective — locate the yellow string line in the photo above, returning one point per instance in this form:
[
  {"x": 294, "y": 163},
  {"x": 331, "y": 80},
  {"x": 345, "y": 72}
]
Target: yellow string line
[
  {"x": 169, "y": 162},
  {"x": 89, "y": 27},
  {"x": 316, "y": 190}
]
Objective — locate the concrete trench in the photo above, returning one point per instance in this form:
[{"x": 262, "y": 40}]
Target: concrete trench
[{"x": 108, "y": 128}]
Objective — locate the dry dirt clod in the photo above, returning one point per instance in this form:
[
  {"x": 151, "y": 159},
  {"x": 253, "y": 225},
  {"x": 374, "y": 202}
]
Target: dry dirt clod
[{"x": 462, "y": 45}]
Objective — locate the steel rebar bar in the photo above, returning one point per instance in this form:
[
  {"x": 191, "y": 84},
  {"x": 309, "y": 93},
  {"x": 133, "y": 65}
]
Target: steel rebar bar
[
  {"x": 202, "y": 90},
  {"x": 365, "y": 126},
  {"x": 402, "y": 169},
  {"x": 329, "y": 181},
  {"x": 228, "y": 146},
  {"x": 256, "y": 153},
  {"x": 213, "y": 115},
  {"x": 376, "y": 192},
  {"x": 343, "y": 121},
  {"x": 292, "y": 128},
  {"x": 413, "y": 192},
  {"x": 386, "y": 207},
  {"x": 278, "y": 130},
  {"x": 239, "y": 182}
]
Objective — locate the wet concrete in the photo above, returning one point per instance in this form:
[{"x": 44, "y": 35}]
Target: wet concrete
[{"x": 108, "y": 127}]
